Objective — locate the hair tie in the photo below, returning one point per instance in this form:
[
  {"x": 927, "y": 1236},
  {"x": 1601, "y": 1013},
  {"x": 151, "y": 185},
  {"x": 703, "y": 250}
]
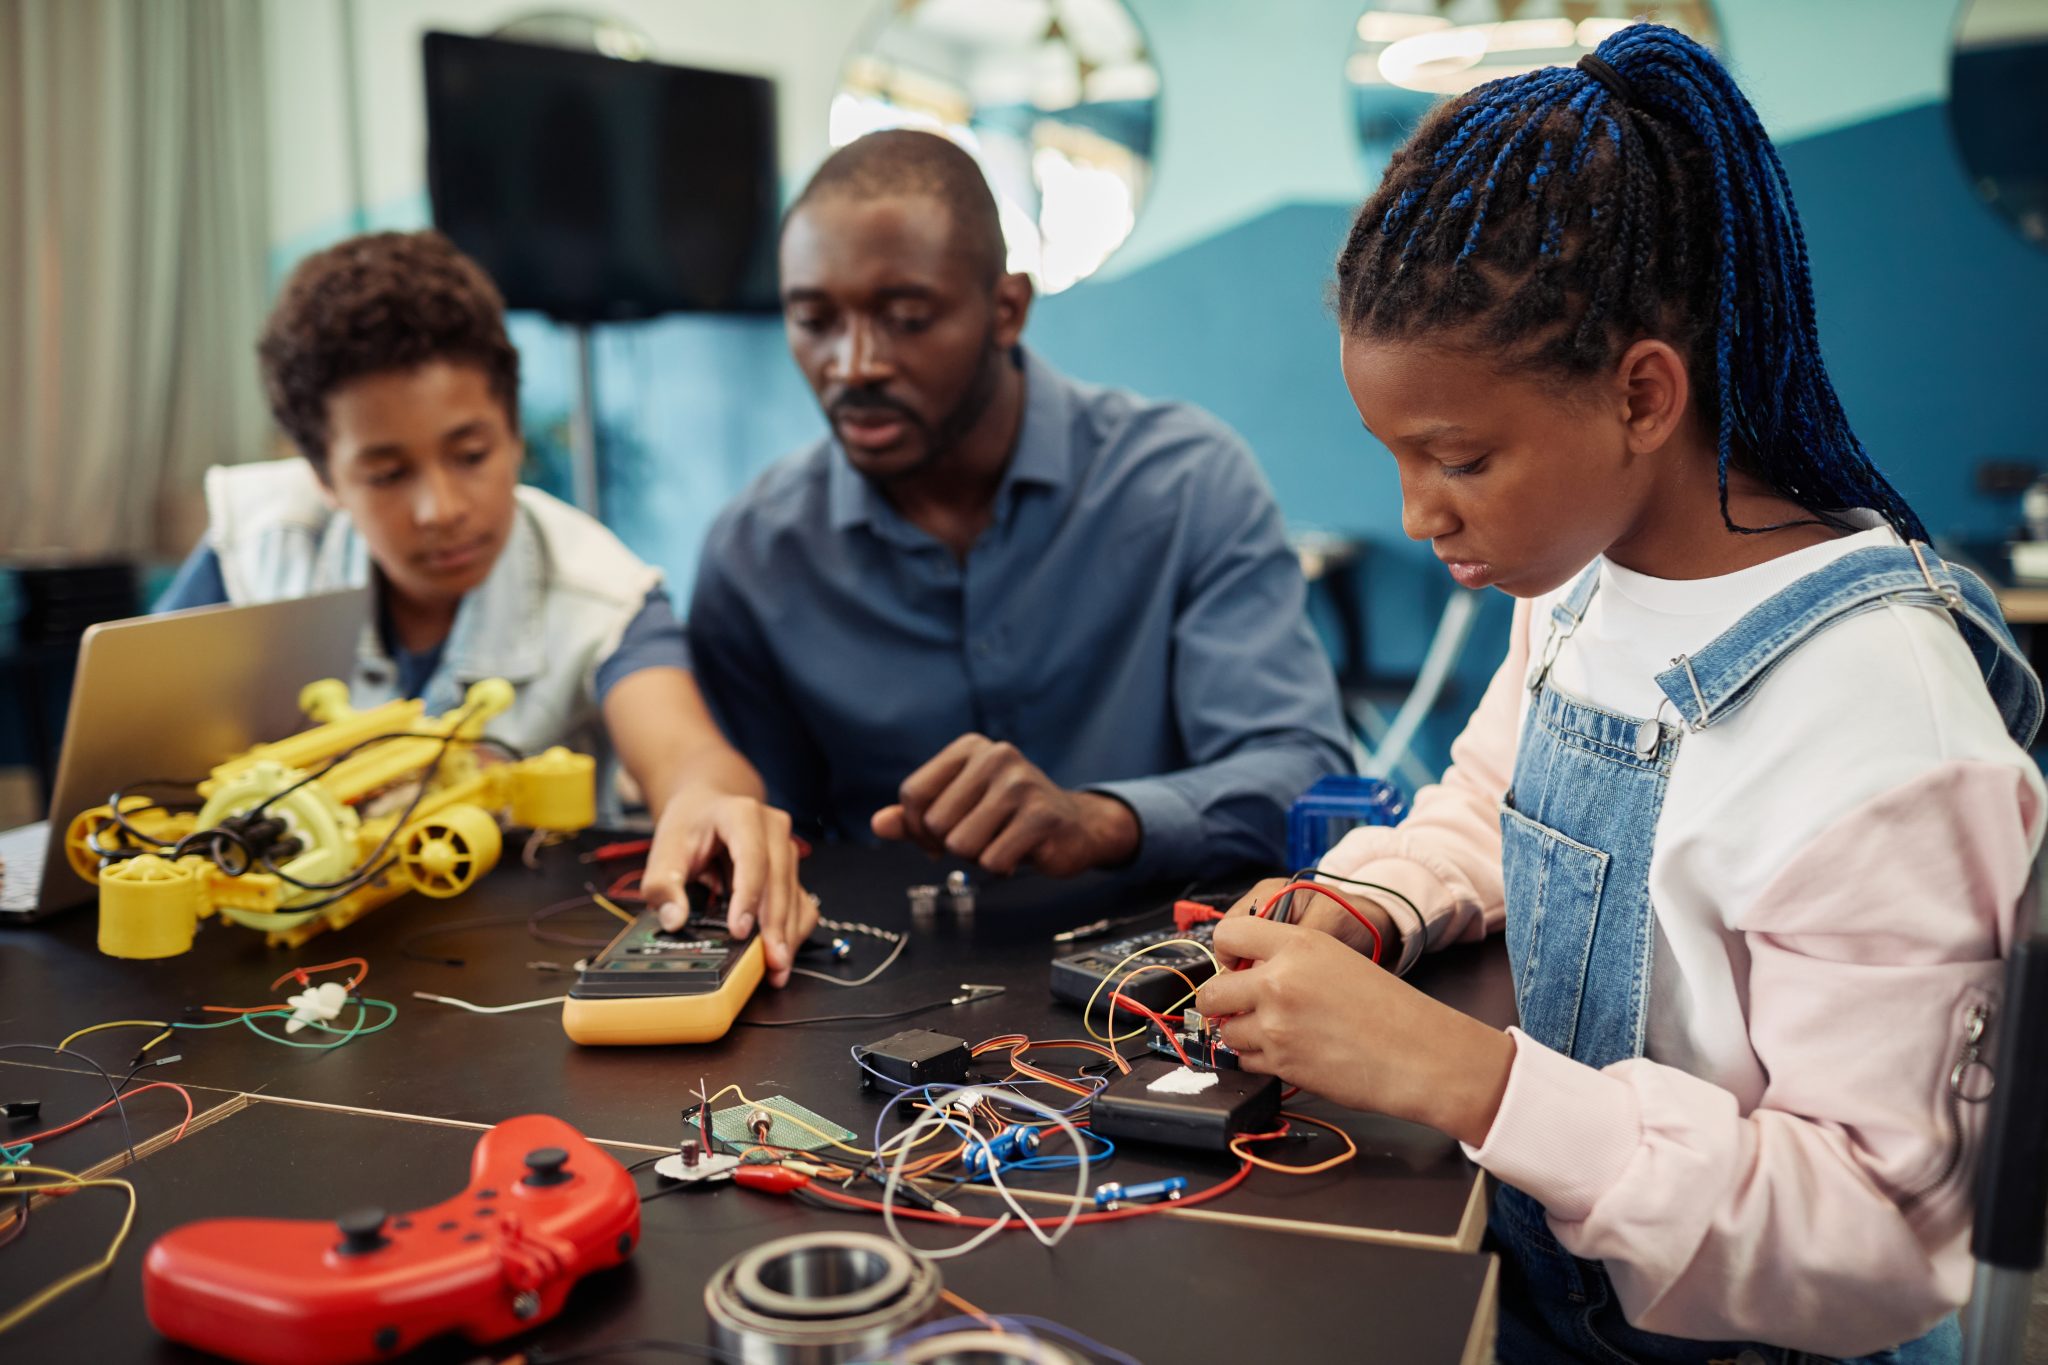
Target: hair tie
[{"x": 1616, "y": 83}]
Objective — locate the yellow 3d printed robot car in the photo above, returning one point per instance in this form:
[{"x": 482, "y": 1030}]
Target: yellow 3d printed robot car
[{"x": 316, "y": 830}]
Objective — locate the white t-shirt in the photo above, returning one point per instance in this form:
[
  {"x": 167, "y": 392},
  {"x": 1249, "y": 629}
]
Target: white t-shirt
[{"x": 1757, "y": 787}]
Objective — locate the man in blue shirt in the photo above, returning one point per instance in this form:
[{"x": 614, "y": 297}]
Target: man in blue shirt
[{"x": 999, "y": 613}]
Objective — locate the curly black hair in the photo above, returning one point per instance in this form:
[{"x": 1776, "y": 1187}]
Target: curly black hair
[
  {"x": 376, "y": 303},
  {"x": 1556, "y": 216}
]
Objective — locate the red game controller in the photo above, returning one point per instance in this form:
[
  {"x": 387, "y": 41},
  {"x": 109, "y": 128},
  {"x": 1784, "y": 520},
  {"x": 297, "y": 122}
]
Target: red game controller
[{"x": 543, "y": 1209}]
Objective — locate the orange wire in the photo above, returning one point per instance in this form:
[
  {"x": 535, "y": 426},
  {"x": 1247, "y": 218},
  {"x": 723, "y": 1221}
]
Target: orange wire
[{"x": 1350, "y": 1147}]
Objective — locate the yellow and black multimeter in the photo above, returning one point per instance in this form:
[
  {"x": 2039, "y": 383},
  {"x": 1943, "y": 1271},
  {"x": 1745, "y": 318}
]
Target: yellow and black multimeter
[{"x": 652, "y": 986}]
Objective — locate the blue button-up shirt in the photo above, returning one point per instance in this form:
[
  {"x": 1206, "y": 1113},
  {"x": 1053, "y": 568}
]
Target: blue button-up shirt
[{"x": 1132, "y": 620}]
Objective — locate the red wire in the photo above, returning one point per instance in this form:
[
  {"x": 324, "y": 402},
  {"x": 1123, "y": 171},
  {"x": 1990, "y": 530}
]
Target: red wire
[
  {"x": 300, "y": 973},
  {"x": 1321, "y": 890},
  {"x": 968, "y": 1220},
  {"x": 1119, "y": 998},
  {"x": 84, "y": 1119}
]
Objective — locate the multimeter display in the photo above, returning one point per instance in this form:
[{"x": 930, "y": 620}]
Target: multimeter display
[{"x": 647, "y": 960}]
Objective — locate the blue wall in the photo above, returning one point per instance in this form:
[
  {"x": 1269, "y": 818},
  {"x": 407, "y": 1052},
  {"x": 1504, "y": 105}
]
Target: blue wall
[{"x": 1931, "y": 314}]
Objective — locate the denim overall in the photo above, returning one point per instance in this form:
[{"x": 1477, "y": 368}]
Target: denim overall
[{"x": 1577, "y": 829}]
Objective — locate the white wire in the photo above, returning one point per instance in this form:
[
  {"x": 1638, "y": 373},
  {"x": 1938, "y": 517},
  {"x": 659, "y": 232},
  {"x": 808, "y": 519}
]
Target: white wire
[
  {"x": 941, "y": 1113},
  {"x": 487, "y": 1009},
  {"x": 887, "y": 962}
]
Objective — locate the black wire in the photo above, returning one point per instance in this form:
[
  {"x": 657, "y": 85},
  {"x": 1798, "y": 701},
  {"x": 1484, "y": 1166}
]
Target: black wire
[
  {"x": 619, "y": 1348},
  {"x": 19, "y": 1225},
  {"x": 848, "y": 1018},
  {"x": 127, "y": 1133},
  {"x": 363, "y": 875}
]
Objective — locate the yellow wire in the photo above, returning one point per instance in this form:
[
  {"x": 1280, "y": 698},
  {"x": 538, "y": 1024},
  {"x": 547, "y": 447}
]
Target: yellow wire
[
  {"x": 20, "y": 1312},
  {"x": 612, "y": 906},
  {"x": 124, "y": 1023},
  {"x": 1089, "y": 1008},
  {"x": 784, "y": 1116},
  {"x": 1350, "y": 1149}
]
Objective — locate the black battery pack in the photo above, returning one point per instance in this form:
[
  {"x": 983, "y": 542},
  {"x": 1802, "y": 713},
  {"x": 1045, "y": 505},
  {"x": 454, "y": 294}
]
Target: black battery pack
[
  {"x": 916, "y": 1057},
  {"x": 1238, "y": 1102}
]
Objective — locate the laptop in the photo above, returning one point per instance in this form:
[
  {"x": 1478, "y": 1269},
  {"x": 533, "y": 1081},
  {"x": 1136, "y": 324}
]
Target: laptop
[{"x": 173, "y": 696}]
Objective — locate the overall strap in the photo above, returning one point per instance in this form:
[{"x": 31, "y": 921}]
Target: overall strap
[
  {"x": 1713, "y": 683},
  {"x": 1565, "y": 616}
]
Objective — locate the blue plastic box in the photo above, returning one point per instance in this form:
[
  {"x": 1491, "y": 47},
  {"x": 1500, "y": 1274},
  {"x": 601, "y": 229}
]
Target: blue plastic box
[{"x": 1336, "y": 804}]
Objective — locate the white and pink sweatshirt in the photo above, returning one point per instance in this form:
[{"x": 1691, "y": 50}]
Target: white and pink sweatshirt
[{"x": 1835, "y": 878}]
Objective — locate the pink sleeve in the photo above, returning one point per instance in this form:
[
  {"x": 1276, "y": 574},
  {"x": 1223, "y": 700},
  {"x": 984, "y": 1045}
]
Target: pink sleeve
[
  {"x": 1835, "y": 1216},
  {"x": 1445, "y": 857}
]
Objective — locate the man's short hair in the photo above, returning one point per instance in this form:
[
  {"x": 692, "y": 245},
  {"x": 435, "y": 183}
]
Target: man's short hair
[
  {"x": 373, "y": 304},
  {"x": 901, "y": 161}
]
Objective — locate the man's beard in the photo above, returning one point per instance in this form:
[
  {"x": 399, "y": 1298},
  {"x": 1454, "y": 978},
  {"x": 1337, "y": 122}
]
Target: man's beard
[{"x": 942, "y": 438}]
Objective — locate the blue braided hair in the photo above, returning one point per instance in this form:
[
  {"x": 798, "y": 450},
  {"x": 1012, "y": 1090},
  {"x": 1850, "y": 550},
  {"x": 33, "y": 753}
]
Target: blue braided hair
[{"x": 1556, "y": 217}]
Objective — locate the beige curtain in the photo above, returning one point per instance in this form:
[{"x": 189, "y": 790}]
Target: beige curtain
[{"x": 133, "y": 232}]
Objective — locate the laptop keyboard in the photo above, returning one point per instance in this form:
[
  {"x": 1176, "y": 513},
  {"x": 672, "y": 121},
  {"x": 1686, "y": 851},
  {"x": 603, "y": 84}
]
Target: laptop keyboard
[{"x": 21, "y": 865}]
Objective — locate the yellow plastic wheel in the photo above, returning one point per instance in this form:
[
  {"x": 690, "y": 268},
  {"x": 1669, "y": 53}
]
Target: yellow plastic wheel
[
  {"x": 149, "y": 907},
  {"x": 444, "y": 854}
]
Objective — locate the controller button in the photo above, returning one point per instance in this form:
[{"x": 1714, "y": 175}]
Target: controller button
[
  {"x": 525, "y": 1304},
  {"x": 473, "y": 1237},
  {"x": 386, "y": 1339},
  {"x": 625, "y": 1242},
  {"x": 401, "y": 1224},
  {"x": 545, "y": 1166},
  {"x": 487, "y": 1194},
  {"x": 486, "y": 1212},
  {"x": 362, "y": 1232},
  {"x": 448, "y": 1226}
]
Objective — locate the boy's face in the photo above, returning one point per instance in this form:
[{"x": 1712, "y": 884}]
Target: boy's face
[
  {"x": 1515, "y": 484},
  {"x": 424, "y": 461}
]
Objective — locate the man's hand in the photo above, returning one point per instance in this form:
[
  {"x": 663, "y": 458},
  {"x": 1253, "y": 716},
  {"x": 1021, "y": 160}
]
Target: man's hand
[
  {"x": 984, "y": 800},
  {"x": 742, "y": 847},
  {"x": 1313, "y": 911},
  {"x": 1304, "y": 1007}
]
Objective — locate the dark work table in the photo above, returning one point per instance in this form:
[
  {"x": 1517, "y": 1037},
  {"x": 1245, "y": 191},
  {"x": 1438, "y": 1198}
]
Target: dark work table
[
  {"x": 1162, "y": 1289},
  {"x": 1408, "y": 1185}
]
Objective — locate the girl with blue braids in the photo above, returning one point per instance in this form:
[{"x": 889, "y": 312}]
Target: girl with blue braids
[{"x": 1749, "y": 796}]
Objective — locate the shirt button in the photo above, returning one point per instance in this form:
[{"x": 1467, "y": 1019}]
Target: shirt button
[{"x": 1648, "y": 736}]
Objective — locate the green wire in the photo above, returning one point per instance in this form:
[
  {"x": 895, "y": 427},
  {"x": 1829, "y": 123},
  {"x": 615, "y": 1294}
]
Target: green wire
[{"x": 362, "y": 1004}]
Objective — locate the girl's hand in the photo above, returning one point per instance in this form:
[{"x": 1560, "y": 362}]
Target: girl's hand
[
  {"x": 1320, "y": 912},
  {"x": 1306, "y": 1008}
]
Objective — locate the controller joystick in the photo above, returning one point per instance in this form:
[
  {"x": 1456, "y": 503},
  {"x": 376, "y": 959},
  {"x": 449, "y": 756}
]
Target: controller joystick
[
  {"x": 544, "y": 1208},
  {"x": 546, "y": 1166},
  {"x": 362, "y": 1232}
]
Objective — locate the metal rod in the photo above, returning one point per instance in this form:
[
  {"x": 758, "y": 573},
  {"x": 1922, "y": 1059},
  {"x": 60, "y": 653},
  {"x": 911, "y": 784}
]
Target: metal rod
[{"x": 583, "y": 426}]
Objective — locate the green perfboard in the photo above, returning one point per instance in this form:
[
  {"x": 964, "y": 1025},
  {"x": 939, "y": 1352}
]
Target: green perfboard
[{"x": 729, "y": 1126}]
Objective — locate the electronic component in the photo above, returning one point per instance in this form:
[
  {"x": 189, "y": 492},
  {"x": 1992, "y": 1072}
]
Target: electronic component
[
  {"x": 1203, "y": 1048},
  {"x": 22, "y": 1109},
  {"x": 1078, "y": 977},
  {"x": 1115, "y": 1196},
  {"x": 1018, "y": 1142},
  {"x": 650, "y": 986},
  {"x": 915, "y": 1057},
  {"x": 730, "y": 1129},
  {"x": 1206, "y": 1110}
]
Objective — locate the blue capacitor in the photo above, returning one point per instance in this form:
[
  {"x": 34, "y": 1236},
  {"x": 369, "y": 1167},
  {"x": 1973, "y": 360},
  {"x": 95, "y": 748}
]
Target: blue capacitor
[{"x": 1016, "y": 1143}]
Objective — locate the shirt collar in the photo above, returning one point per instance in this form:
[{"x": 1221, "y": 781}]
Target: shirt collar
[{"x": 1043, "y": 457}]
